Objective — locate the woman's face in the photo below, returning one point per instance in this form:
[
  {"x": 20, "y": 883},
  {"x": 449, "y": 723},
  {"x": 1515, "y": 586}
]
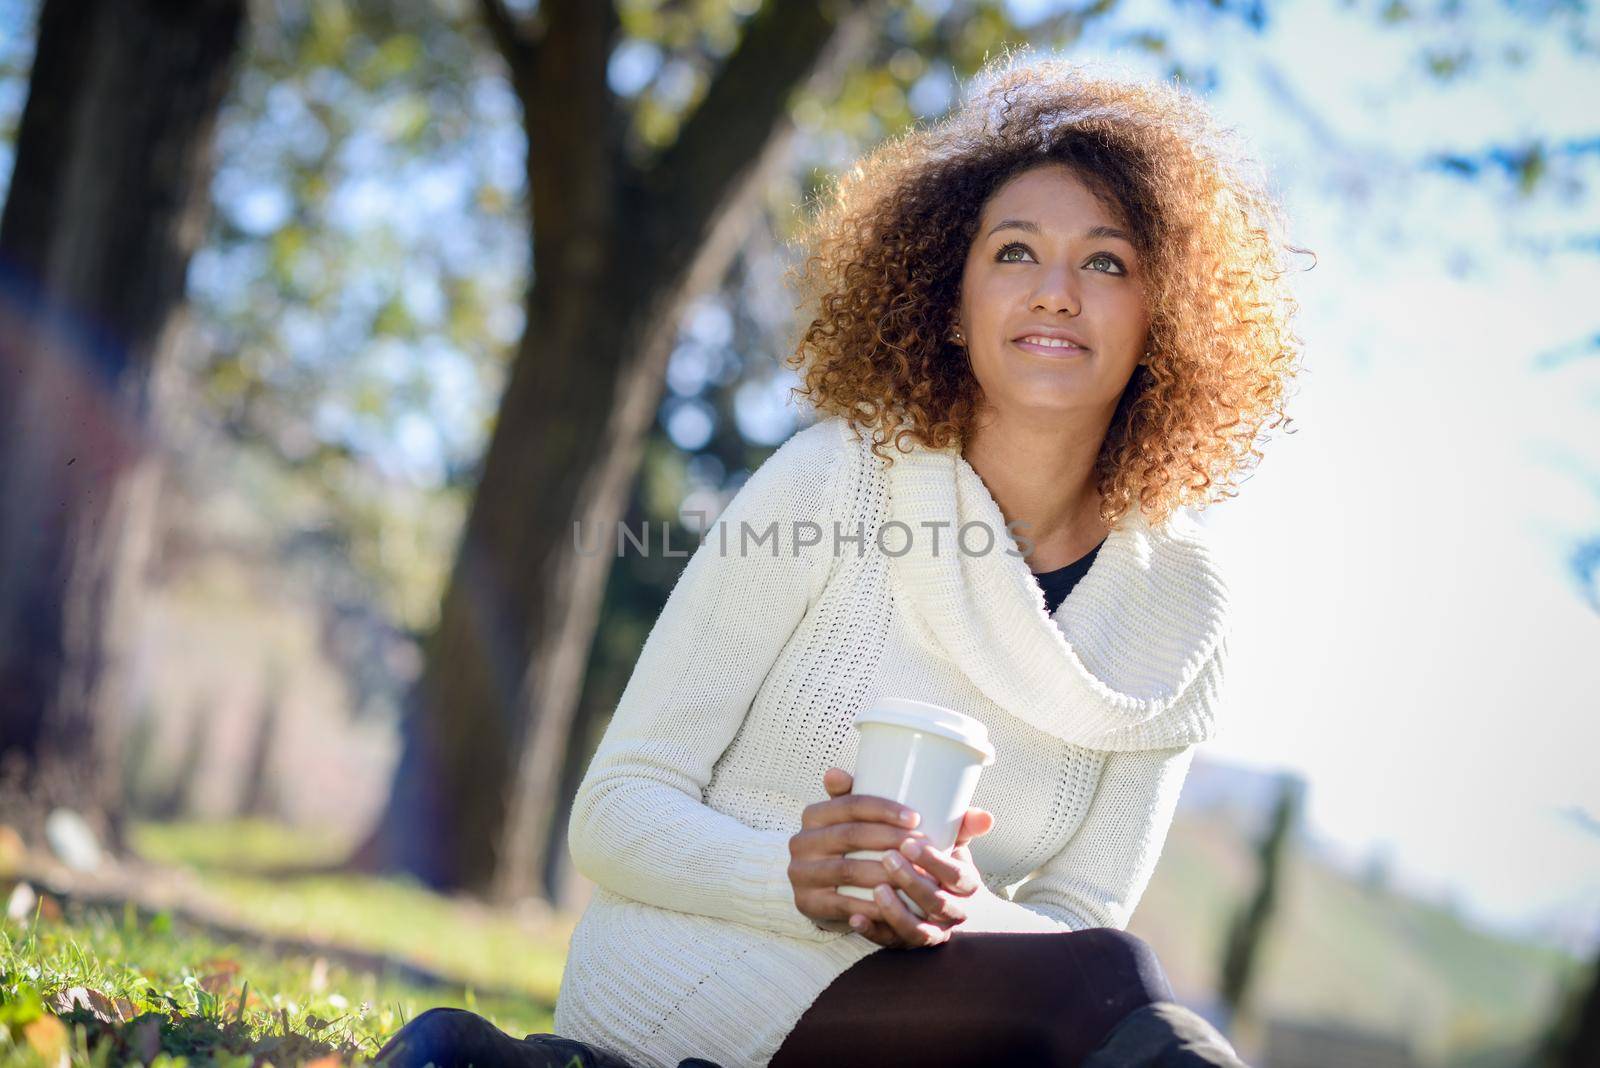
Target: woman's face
[{"x": 1049, "y": 259}]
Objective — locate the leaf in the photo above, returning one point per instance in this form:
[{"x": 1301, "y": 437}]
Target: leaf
[
  {"x": 76, "y": 997},
  {"x": 246, "y": 999},
  {"x": 49, "y": 1038},
  {"x": 12, "y": 850},
  {"x": 216, "y": 983}
]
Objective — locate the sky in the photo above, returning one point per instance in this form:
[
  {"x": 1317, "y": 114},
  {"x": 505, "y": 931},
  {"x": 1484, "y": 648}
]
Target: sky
[{"x": 1408, "y": 632}]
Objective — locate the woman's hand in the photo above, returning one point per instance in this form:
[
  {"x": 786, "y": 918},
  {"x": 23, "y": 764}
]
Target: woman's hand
[
  {"x": 930, "y": 875},
  {"x": 935, "y": 881},
  {"x": 829, "y": 829}
]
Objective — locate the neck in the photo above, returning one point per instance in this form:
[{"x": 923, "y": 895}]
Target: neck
[{"x": 1040, "y": 472}]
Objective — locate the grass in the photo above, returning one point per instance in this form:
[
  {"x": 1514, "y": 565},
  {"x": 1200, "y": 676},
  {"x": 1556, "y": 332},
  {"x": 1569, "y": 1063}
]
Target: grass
[
  {"x": 233, "y": 861},
  {"x": 156, "y": 989}
]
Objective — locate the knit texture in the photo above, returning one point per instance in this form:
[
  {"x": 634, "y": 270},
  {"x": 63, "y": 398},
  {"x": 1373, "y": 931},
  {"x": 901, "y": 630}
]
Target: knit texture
[{"x": 819, "y": 590}]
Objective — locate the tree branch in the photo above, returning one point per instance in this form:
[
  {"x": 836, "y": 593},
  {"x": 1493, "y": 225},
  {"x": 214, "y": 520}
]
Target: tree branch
[
  {"x": 574, "y": 129},
  {"x": 786, "y": 45},
  {"x": 516, "y": 40}
]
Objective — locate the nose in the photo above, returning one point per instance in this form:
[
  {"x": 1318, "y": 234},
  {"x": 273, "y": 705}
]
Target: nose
[{"x": 1057, "y": 290}]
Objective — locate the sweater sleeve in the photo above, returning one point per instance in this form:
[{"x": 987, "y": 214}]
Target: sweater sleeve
[
  {"x": 640, "y": 826},
  {"x": 1098, "y": 877}
]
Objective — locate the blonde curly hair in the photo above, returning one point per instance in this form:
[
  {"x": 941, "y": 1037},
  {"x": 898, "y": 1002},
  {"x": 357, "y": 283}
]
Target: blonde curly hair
[{"x": 883, "y": 256}]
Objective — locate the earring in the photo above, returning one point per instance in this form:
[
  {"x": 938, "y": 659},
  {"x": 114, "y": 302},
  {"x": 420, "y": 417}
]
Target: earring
[{"x": 957, "y": 337}]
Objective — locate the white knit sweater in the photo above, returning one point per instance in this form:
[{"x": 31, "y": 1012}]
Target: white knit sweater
[{"x": 744, "y": 694}]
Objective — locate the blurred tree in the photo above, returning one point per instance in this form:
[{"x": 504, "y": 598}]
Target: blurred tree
[
  {"x": 1249, "y": 930},
  {"x": 1583, "y": 1032},
  {"x": 619, "y": 245},
  {"x": 105, "y": 207},
  {"x": 1572, "y": 1037},
  {"x": 258, "y": 787}
]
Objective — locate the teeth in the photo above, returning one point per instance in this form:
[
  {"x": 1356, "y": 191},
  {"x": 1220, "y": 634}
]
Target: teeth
[{"x": 1052, "y": 342}]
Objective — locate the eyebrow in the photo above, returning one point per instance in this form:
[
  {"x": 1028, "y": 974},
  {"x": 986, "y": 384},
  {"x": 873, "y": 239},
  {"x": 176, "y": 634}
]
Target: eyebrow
[{"x": 1033, "y": 228}]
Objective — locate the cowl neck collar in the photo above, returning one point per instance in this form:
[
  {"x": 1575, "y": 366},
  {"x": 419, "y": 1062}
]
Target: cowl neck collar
[{"x": 1131, "y": 660}]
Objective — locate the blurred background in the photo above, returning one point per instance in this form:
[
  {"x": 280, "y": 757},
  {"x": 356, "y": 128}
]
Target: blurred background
[{"x": 322, "y": 322}]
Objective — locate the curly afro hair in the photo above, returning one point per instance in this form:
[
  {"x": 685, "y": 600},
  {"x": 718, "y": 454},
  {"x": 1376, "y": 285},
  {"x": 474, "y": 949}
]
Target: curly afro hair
[{"x": 882, "y": 261}]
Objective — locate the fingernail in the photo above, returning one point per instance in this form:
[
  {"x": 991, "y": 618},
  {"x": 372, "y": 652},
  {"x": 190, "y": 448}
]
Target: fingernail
[
  {"x": 911, "y": 848},
  {"x": 883, "y": 892},
  {"x": 909, "y": 816},
  {"x": 894, "y": 861},
  {"x": 859, "y": 922}
]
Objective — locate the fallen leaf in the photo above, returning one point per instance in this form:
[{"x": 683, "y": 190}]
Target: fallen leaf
[
  {"x": 49, "y": 1038},
  {"x": 216, "y": 982},
  {"x": 12, "y": 849},
  {"x": 76, "y": 997},
  {"x": 125, "y": 1009},
  {"x": 250, "y": 999},
  {"x": 219, "y": 964},
  {"x": 49, "y": 908}
]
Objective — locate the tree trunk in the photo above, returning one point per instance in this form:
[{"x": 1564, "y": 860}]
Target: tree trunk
[
  {"x": 106, "y": 206},
  {"x": 603, "y": 683},
  {"x": 618, "y": 252}
]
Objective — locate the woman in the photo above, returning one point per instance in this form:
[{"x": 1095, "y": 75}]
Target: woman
[{"x": 1067, "y": 297}]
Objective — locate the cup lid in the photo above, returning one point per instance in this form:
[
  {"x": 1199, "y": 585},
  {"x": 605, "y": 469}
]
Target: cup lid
[{"x": 932, "y": 719}]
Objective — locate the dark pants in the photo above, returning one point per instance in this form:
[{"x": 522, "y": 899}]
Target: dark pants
[
  {"x": 1045, "y": 999},
  {"x": 456, "y": 1038}
]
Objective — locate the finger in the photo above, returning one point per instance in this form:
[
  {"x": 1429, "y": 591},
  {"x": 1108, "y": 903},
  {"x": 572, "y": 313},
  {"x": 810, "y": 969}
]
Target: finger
[
  {"x": 904, "y": 924},
  {"x": 976, "y": 822},
  {"x": 848, "y": 908},
  {"x": 938, "y": 907},
  {"x": 832, "y": 905},
  {"x": 961, "y": 879},
  {"x": 837, "y": 782},
  {"x": 875, "y": 931},
  {"x": 838, "y": 870},
  {"x": 837, "y": 838},
  {"x": 857, "y": 808}
]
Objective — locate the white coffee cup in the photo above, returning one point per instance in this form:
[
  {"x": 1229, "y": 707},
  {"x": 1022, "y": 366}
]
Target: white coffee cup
[{"x": 924, "y": 756}]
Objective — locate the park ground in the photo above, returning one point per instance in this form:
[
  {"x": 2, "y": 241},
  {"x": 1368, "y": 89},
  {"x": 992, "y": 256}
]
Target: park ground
[{"x": 253, "y": 962}]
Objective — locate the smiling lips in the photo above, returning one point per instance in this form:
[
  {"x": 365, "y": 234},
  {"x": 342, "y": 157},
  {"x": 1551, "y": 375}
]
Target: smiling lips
[{"x": 1049, "y": 345}]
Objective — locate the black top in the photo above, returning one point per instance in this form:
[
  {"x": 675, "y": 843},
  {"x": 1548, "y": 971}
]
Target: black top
[{"x": 1058, "y": 583}]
